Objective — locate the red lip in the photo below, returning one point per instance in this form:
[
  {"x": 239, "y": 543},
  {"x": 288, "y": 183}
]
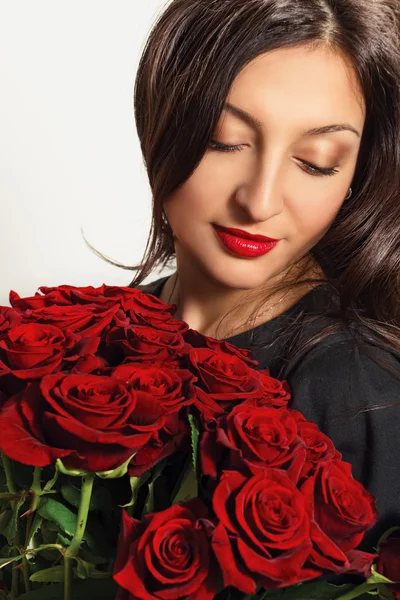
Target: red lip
[
  {"x": 245, "y": 234},
  {"x": 248, "y": 247}
]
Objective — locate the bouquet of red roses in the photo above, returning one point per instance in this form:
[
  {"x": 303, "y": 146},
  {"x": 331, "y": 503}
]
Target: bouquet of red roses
[{"x": 144, "y": 460}]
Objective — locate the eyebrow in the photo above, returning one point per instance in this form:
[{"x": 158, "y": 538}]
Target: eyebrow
[{"x": 256, "y": 124}]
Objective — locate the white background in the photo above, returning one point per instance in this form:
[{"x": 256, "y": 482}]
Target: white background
[{"x": 69, "y": 152}]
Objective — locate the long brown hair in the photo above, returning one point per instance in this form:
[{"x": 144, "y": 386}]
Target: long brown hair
[{"x": 193, "y": 53}]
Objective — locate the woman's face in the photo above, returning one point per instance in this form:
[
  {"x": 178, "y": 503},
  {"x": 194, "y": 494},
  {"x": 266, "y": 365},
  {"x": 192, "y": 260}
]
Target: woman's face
[{"x": 268, "y": 185}]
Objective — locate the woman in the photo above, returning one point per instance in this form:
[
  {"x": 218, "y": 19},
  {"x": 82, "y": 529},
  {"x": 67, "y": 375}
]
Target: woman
[{"x": 281, "y": 119}]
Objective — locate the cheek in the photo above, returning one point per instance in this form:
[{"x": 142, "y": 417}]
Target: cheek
[
  {"x": 195, "y": 200},
  {"x": 313, "y": 218}
]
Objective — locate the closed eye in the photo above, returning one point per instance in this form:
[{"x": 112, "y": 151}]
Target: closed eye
[{"x": 310, "y": 168}]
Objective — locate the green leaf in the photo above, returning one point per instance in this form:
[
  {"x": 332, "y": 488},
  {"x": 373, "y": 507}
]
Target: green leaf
[
  {"x": 110, "y": 474},
  {"x": 63, "y": 469},
  {"x": 5, "y": 518},
  {"x": 47, "y": 535},
  {"x": 71, "y": 494},
  {"x": 58, "y": 514},
  {"x": 51, "y": 574},
  {"x": 3, "y": 481},
  {"x": 318, "y": 590},
  {"x": 101, "y": 498},
  {"x": 101, "y": 589},
  {"x": 386, "y": 535},
  {"x": 49, "y": 485},
  {"x": 136, "y": 483},
  {"x": 6, "y": 561},
  {"x": 116, "y": 473},
  {"x": 37, "y": 522},
  {"x": 195, "y": 439},
  {"x": 87, "y": 570},
  {"x": 6, "y": 496},
  {"x": 15, "y": 521},
  {"x": 156, "y": 473},
  {"x": 48, "y": 592},
  {"x": 383, "y": 592},
  {"x": 22, "y": 475},
  {"x": 188, "y": 487},
  {"x": 378, "y": 577},
  {"x": 87, "y": 555},
  {"x": 63, "y": 540}
]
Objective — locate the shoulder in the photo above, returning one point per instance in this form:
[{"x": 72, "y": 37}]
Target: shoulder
[
  {"x": 349, "y": 364},
  {"x": 344, "y": 355},
  {"x": 348, "y": 390},
  {"x": 150, "y": 288},
  {"x": 340, "y": 378}
]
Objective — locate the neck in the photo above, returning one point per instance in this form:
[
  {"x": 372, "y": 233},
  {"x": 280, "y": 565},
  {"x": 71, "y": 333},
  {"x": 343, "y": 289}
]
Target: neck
[{"x": 202, "y": 304}]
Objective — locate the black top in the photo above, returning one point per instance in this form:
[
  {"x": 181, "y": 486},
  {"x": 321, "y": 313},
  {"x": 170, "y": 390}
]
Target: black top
[{"x": 331, "y": 385}]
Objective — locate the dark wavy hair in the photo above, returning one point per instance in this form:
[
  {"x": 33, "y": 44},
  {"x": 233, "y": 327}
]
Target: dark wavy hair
[{"x": 193, "y": 53}]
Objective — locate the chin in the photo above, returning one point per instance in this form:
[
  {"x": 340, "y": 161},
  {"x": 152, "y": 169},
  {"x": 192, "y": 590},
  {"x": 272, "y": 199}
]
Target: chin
[{"x": 248, "y": 279}]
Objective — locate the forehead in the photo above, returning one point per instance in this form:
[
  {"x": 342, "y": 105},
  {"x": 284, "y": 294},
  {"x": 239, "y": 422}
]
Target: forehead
[{"x": 301, "y": 86}]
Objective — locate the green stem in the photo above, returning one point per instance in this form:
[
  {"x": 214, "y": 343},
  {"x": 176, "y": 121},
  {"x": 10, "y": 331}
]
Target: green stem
[
  {"x": 26, "y": 573},
  {"x": 83, "y": 511},
  {"x": 45, "y": 547},
  {"x": 358, "y": 591},
  {"x": 14, "y": 582},
  {"x": 73, "y": 548},
  {"x": 36, "y": 491},
  {"x": 7, "y": 466},
  {"x": 68, "y": 578}
]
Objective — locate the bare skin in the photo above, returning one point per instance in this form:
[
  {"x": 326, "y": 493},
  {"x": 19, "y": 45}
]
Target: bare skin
[{"x": 267, "y": 186}]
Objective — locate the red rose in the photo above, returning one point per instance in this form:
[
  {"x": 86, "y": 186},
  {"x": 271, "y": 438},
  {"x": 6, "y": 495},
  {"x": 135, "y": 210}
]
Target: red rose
[
  {"x": 103, "y": 296},
  {"x": 9, "y": 318},
  {"x": 146, "y": 309},
  {"x": 250, "y": 438},
  {"x": 3, "y": 398},
  {"x": 224, "y": 380},
  {"x": 61, "y": 295},
  {"x": 343, "y": 510},
  {"x": 263, "y": 534},
  {"x": 91, "y": 422},
  {"x": 173, "y": 389},
  {"x": 198, "y": 340},
  {"x": 388, "y": 563},
  {"x": 276, "y": 393},
  {"x": 32, "y": 350},
  {"x": 161, "y": 321},
  {"x": 139, "y": 343},
  {"x": 173, "y": 436},
  {"x": 88, "y": 320},
  {"x": 139, "y": 302},
  {"x": 167, "y": 556},
  {"x": 319, "y": 446}
]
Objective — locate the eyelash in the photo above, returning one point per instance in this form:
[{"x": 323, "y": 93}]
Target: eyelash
[{"x": 312, "y": 169}]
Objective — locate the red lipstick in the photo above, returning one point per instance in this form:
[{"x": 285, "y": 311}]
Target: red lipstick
[{"x": 243, "y": 243}]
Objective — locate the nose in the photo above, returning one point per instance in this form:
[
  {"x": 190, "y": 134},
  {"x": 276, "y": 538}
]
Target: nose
[{"x": 261, "y": 198}]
